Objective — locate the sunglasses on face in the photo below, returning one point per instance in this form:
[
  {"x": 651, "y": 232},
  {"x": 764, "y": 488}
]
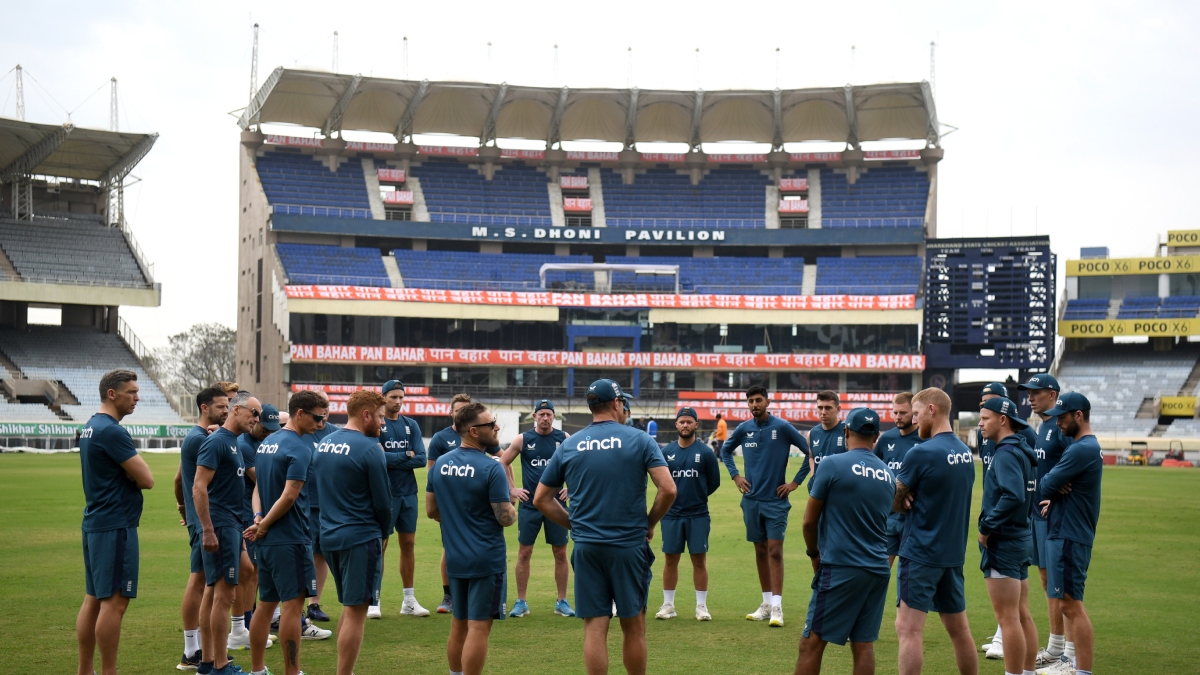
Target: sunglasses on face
[
  {"x": 253, "y": 412},
  {"x": 316, "y": 418},
  {"x": 493, "y": 424}
]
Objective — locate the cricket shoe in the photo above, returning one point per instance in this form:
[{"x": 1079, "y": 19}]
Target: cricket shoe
[
  {"x": 412, "y": 608},
  {"x": 667, "y": 611},
  {"x": 702, "y": 613},
  {"x": 761, "y": 614},
  {"x": 776, "y": 617}
]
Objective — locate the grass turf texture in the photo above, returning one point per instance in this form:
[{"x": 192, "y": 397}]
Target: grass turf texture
[{"x": 1141, "y": 591}]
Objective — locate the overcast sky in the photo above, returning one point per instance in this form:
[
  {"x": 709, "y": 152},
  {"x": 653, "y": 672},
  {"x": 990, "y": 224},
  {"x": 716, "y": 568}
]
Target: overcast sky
[{"x": 1076, "y": 120}]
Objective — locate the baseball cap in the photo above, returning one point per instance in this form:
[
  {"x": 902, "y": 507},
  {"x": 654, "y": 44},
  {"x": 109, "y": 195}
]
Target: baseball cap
[
  {"x": 1007, "y": 408},
  {"x": 392, "y": 384},
  {"x": 863, "y": 421},
  {"x": 687, "y": 412},
  {"x": 1068, "y": 402},
  {"x": 269, "y": 417},
  {"x": 995, "y": 388},
  {"x": 544, "y": 404},
  {"x": 605, "y": 390},
  {"x": 1041, "y": 381}
]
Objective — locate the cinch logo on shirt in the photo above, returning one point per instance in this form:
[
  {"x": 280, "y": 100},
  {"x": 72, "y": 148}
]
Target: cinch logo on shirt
[
  {"x": 467, "y": 471},
  {"x": 241, "y": 471},
  {"x": 1031, "y": 486},
  {"x": 538, "y": 461},
  {"x": 86, "y": 433},
  {"x": 590, "y": 443},
  {"x": 685, "y": 473},
  {"x": 895, "y": 466},
  {"x": 335, "y": 448},
  {"x": 959, "y": 458},
  {"x": 268, "y": 448},
  {"x": 396, "y": 445},
  {"x": 1040, "y": 452},
  {"x": 861, "y": 469}
]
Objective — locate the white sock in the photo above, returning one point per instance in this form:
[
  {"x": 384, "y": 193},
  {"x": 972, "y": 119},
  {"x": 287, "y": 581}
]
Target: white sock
[
  {"x": 701, "y": 597},
  {"x": 1028, "y": 672},
  {"x": 668, "y": 597},
  {"x": 258, "y": 672},
  {"x": 1008, "y": 673},
  {"x": 777, "y": 601},
  {"x": 1082, "y": 672},
  {"x": 998, "y": 637},
  {"x": 766, "y": 597},
  {"x": 191, "y": 641},
  {"x": 1069, "y": 651},
  {"x": 456, "y": 672},
  {"x": 408, "y": 593},
  {"x": 275, "y": 616},
  {"x": 238, "y": 624},
  {"x": 1056, "y": 645}
]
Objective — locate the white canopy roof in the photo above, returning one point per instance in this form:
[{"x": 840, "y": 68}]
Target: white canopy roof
[
  {"x": 66, "y": 151},
  {"x": 333, "y": 102}
]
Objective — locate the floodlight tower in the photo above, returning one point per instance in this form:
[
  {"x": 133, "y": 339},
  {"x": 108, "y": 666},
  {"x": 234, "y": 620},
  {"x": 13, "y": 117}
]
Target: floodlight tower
[
  {"x": 20, "y": 94},
  {"x": 254, "y": 66},
  {"x": 116, "y": 193},
  {"x": 933, "y": 67},
  {"x": 335, "y": 51}
]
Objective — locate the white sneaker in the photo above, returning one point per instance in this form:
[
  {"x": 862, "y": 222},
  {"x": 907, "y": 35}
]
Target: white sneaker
[
  {"x": 412, "y": 608},
  {"x": 761, "y": 614},
  {"x": 1063, "y": 667},
  {"x": 239, "y": 639},
  {"x": 702, "y": 613},
  {"x": 311, "y": 632},
  {"x": 667, "y": 611},
  {"x": 614, "y": 608},
  {"x": 373, "y": 612},
  {"x": 776, "y": 617},
  {"x": 995, "y": 650},
  {"x": 1045, "y": 658}
]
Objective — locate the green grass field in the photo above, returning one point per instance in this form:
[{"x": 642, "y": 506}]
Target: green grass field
[{"x": 1143, "y": 591}]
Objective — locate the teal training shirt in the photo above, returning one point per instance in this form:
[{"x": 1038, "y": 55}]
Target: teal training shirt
[
  {"x": 398, "y": 437},
  {"x": 1074, "y": 516},
  {"x": 536, "y": 451},
  {"x": 940, "y": 473},
  {"x": 113, "y": 501},
  {"x": 765, "y": 451},
  {"x": 465, "y": 483},
  {"x": 356, "y": 499},
  {"x": 188, "y": 451},
  {"x": 697, "y": 474},
  {"x": 892, "y": 447},
  {"x": 281, "y": 457},
  {"x": 219, "y": 452},
  {"x": 858, "y": 491}
]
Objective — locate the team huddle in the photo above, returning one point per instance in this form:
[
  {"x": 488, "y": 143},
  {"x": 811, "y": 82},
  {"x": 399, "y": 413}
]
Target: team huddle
[{"x": 274, "y": 502}]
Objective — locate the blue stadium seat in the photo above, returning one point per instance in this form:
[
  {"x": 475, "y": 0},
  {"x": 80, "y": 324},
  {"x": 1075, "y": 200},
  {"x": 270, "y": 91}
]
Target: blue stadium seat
[
  {"x": 302, "y": 184},
  {"x": 456, "y": 193},
  {"x": 332, "y": 265},
  {"x": 875, "y": 275},
  {"x": 725, "y": 197},
  {"x": 469, "y": 271},
  {"x": 890, "y": 196},
  {"x": 719, "y": 275}
]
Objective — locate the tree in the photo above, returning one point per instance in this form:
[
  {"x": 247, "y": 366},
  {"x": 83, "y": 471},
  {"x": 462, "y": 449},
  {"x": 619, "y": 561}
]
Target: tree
[{"x": 197, "y": 357}]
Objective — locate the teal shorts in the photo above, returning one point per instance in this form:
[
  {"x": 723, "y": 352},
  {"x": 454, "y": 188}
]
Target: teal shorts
[
  {"x": 679, "y": 531},
  {"x": 314, "y": 529},
  {"x": 285, "y": 572},
  {"x": 930, "y": 589},
  {"x": 110, "y": 563},
  {"x": 765, "y": 520},
  {"x": 530, "y": 522},
  {"x": 197, "y": 556},
  {"x": 847, "y": 604},
  {"x": 605, "y": 574},
  {"x": 404, "y": 514},
  {"x": 226, "y": 563},
  {"x": 895, "y": 530},
  {"x": 250, "y": 546},
  {"x": 1038, "y": 551},
  {"x": 1067, "y": 570},
  {"x": 478, "y": 598},
  {"x": 1007, "y": 557},
  {"x": 356, "y": 572}
]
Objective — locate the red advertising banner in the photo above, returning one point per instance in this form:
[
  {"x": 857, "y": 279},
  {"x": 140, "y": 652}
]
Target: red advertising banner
[
  {"x": 407, "y": 398},
  {"x": 398, "y": 197},
  {"x": 391, "y": 175},
  {"x": 793, "y": 206},
  {"x": 607, "y": 300},
  {"x": 815, "y": 156},
  {"x": 360, "y": 146},
  {"x": 575, "y": 155},
  {"x": 742, "y": 414},
  {"x": 663, "y": 157},
  {"x": 857, "y": 396},
  {"x": 892, "y": 154},
  {"x": 351, "y": 388},
  {"x": 573, "y": 182},
  {"x": 735, "y": 159},
  {"x": 447, "y": 151},
  {"x": 619, "y": 360},
  {"x": 793, "y": 184},
  {"x": 293, "y": 141},
  {"x": 577, "y": 204},
  {"x": 406, "y": 408},
  {"x": 523, "y": 154}
]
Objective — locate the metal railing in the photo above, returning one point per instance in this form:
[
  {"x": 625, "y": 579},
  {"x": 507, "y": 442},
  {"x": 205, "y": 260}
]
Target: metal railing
[
  {"x": 146, "y": 358},
  {"x": 314, "y": 210},
  {"x": 143, "y": 262}
]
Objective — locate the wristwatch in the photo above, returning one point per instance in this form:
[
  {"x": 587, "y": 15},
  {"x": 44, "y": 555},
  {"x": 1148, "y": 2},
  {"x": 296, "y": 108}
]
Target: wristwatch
[{"x": 812, "y": 554}]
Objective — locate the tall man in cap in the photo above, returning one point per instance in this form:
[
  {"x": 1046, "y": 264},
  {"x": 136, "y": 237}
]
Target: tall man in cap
[
  {"x": 934, "y": 487},
  {"x": 247, "y": 591},
  {"x": 828, "y": 437},
  {"x": 1042, "y": 390},
  {"x": 536, "y": 447},
  {"x": 1071, "y": 502},
  {"x": 606, "y": 464},
  {"x": 405, "y": 451},
  {"x": 766, "y": 443},
  {"x": 845, "y": 530},
  {"x": 697, "y": 475},
  {"x": 1009, "y": 492},
  {"x": 892, "y": 447},
  {"x": 442, "y": 442}
]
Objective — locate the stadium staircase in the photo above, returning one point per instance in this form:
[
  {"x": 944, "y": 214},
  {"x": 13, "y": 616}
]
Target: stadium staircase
[
  {"x": 371, "y": 177},
  {"x": 420, "y": 210},
  {"x": 1184, "y": 424},
  {"x": 393, "y": 271},
  {"x": 596, "y": 193},
  {"x": 7, "y": 271},
  {"x": 558, "y": 217}
]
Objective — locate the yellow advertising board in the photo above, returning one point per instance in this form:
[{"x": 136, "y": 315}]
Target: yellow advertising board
[
  {"x": 1178, "y": 406},
  {"x": 1104, "y": 267},
  {"x": 1183, "y": 237},
  {"x": 1106, "y": 328}
]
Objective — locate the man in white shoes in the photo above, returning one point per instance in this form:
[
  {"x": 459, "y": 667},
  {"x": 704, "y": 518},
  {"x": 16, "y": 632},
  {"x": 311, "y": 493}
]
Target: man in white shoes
[{"x": 697, "y": 474}]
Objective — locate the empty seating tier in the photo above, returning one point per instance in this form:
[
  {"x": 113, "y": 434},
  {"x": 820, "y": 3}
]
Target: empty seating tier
[
  {"x": 1086, "y": 309},
  {"x": 723, "y": 276},
  {"x": 457, "y": 193},
  {"x": 70, "y": 252},
  {"x": 1117, "y": 378},
  {"x": 466, "y": 271},
  {"x": 879, "y": 275},
  {"x": 332, "y": 265},
  {"x": 304, "y": 185},
  {"x": 733, "y": 198},
  {"x": 881, "y": 197}
]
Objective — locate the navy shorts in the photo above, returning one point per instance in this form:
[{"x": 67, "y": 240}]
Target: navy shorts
[
  {"x": 765, "y": 520},
  {"x": 530, "y": 521},
  {"x": 404, "y": 514},
  {"x": 197, "y": 556},
  {"x": 1038, "y": 550},
  {"x": 226, "y": 564},
  {"x": 314, "y": 528},
  {"x": 356, "y": 572},
  {"x": 930, "y": 589},
  {"x": 895, "y": 530},
  {"x": 110, "y": 563},
  {"x": 478, "y": 598},
  {"x": 604, "y": 574},
  {"x": 1008, "y": 557},
  {"x": 285, "y": 572},
  {"x": 847, "y": 604},
  {"x": 691, "y": 531},
  {"x": 1067, "y": 570}
]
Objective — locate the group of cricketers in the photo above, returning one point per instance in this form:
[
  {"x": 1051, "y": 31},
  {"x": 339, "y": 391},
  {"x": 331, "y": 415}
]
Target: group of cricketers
[{"x": 275, "y": 501}]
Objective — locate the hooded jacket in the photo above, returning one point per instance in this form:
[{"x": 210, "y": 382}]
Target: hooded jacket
[{"x": 1009, "y": 490}]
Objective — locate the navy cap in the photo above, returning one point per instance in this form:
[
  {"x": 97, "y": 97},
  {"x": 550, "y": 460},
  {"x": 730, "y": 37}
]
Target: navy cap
[
  {"x": 863, "y": 421},
  {"x": 1068, "y": 402},
  {"x": 605, "y": 390},
  {"x": 995, "y": 388},
  {"x": 269, "y": 418},
  {"x": 544, "y": 404},
  {"x": 687, "y": 412},
  {"x": 1041, "y": 381},
  {"x": 1007, "y": 408},
  {"x": 392, "y": 384}
]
